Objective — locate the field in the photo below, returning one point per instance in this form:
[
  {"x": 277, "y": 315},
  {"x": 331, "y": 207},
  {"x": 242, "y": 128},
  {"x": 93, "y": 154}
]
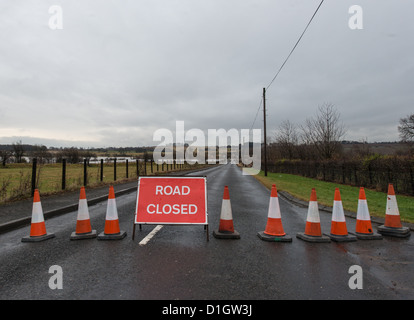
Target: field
[
  {"x": 16, "y": 179},
  {"x": 300, "y": 187}
]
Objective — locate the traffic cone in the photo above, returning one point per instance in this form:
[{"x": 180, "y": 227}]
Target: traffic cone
[
  {"x": 274, "y": 229},
  {"x": 226, "y": 227},
  {"x": 313, "y": 231},
  {"x": 363, "y": 227},
  {"x": 339, "y": 231},
  {"x": 392, "y": 225},
  {"x": 83, "y": 223},
  {"x": 38, "y": 226},
  {"x": 111, "y": 231}
]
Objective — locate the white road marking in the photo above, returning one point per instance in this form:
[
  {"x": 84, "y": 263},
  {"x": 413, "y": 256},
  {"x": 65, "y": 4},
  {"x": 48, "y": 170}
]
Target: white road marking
[{"x": 150, "y": 235}]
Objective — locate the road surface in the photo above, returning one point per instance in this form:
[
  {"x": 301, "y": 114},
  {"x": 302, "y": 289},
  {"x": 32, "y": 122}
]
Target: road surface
[{"x": 179, "y": 263}]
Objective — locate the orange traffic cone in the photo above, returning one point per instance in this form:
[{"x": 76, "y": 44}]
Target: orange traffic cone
[
  {"x": 392, "y": 225},
  {"x": 274, "y": 228},
  {"x": 38, "y": 226},
  {"x": 83, "y": 223},
  {"x": 313, "y": 231},
  {"x": 112, "y": 230},
  {"x": 363, "y": 227},
  {"x": 226, "y": 227},
  {"x": 339, "y": 231}
]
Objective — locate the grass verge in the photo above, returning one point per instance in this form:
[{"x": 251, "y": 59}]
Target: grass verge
[{"x": 300, "y": 187}]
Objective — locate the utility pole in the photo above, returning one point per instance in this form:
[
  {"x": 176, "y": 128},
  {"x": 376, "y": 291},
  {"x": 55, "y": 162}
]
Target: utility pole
[{"x": 264, "y": 127}]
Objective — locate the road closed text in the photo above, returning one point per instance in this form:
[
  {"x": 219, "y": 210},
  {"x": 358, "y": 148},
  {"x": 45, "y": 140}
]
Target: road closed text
[
  {"x": 174, "y": 209},
  {"x": 171, "y": 200},
  {"x": 167, "y": 208}
]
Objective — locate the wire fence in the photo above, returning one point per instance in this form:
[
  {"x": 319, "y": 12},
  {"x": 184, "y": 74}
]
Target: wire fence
[
  {"x": 18, "y": 181},
  {"x": 374, "y": 173}
]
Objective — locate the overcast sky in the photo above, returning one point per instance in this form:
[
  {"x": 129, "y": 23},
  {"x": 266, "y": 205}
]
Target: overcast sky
[{"x": 119, "y": 70}]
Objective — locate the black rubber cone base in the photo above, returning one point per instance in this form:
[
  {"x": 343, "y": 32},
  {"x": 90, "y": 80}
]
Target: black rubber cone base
[
  {"x": 402, "y": 232},
  {"x": 266, "y": 237},
  {"x": 341, "y": 238},
  {"x": 226, "y": 234},
  {"x": 367, "y": 236},
  {"x": 38, "y": 238},
  {"x": 308, "y": 238},
  {"x": 115, "y": 236},
  {"x": 80, "y": 236}
]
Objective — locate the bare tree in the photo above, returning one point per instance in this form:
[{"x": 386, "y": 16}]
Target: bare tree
[
  {"x": 324, "y": 132},
  {"x": 41, "y": 153},
  {"x": 4, "y": 156},
  {"x": 18, "y": 151},
  {"x": 286, "y": 138},
  {"x": 406, "y": 128}
]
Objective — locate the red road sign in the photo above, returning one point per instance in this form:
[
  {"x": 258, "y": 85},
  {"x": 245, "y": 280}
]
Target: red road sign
[{"x": 171, "y": 200}]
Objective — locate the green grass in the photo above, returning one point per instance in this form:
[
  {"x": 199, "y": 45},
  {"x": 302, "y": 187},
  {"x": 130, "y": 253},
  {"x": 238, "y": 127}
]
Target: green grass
[{"x": 300, "y": 187}]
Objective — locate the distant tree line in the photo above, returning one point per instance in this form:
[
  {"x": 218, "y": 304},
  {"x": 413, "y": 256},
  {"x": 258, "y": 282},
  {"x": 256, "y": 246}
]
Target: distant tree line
[
  {"x": 16, "y": 153},
  {"x": 315, "y": 149},
  {"x": 321, "y": 138}
]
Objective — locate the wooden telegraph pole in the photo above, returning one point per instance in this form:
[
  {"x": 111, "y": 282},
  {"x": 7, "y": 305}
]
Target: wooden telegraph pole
[{"x": 264, "y": 128}]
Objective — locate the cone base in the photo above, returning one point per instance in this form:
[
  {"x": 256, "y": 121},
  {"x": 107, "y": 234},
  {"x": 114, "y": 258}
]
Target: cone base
[
  {"x": 308, "y": 238},
  {"x": 115, "y": 236},
  {"x": 38, "y": 238},
  {"x": 341, "y": 238},
  {"x": 402, "y": 232},
  {"x": 79, "y": 236},
  {"x": 266, "y": 237},
  {"x": 367, "y": 236},
  {"x": 226, "y": 234}
]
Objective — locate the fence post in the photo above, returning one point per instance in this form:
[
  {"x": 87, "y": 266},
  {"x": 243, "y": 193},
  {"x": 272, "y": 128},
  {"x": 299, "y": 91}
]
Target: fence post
[
  {"x": 63, "y": 174},
  {"x": 85, "y": 173},
  {"x": 370, "y": 173},
  {"x": 137, "y": 168},
  {"x": 114, "y": 169},
  {"x": 126, "y": 162},
  {"x": 412, "y": 180},
  {"x": 34, "y": 164},
  {"x": 101, "y": 170},
  {"x": 355, "y": 175}
]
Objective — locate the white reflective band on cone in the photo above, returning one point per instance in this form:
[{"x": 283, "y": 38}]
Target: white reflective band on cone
[
  {"x": 313, "y": 213},
  {"x": 226, "y": 213},
  {"x": 83, "y": 212},
  {"x": 37, "y": 213},
  {"x": 111, "y": 212},
  {"x": 274, "y": 209},
  {"x": 363, "y": 213}
]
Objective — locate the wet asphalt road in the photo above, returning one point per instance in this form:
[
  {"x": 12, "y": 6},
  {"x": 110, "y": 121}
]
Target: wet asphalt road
[{"x": 179, "y": 262}]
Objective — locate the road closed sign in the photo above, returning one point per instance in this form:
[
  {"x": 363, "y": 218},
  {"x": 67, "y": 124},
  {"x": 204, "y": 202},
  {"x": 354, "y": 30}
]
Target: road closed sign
[{"x": 171, "y": 200}]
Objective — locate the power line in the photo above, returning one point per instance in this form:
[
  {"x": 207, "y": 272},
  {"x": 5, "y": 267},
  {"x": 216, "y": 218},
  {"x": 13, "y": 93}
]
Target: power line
[
  {"x": 258, "y": 109},
  {"x": 293, "y": 49},
  {"x": 297, "y": 42}
]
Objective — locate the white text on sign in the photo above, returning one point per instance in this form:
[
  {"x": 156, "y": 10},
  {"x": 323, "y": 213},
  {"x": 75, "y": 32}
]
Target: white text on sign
[
  {"x": 170, "y": 191},
  {"x": 174, "y": 209}
]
